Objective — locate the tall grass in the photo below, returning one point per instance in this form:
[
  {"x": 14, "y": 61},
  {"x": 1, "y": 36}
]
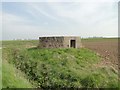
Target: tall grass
[
  {"x": 58, "y": 68},
  {"x": 13, "y": 78},
  {"x": 0, "y": 69}
]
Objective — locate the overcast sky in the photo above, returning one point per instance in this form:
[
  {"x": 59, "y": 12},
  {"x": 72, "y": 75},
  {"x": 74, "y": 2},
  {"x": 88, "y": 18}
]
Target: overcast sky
[{"x": 30, "y": 20}]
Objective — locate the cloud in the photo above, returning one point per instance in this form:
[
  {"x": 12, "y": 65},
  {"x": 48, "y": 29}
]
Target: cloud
[
  {"x": 35, "y": 10},
  {"x": 93, "y": 19},
  {"x": 60, "y": 0},
  {"x": 63, "y": 18},
  {"x": 74, "y": 12},
  {"x": 16, "y": 27},
  {"x": 85, "y": 13},
  {"x": 11, "y": 18}
]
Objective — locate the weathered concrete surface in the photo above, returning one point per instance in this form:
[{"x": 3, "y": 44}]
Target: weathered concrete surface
[
  {"x": 60, "y": 42},
  {"x": 67, "y": 41}
]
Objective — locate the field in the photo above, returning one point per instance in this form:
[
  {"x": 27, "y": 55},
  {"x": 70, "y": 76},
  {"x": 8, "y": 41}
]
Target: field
[
  {"x": 107, "y": 48},
  {"x": 59, "y": 68},
  {"x": 0, "y": 69}
]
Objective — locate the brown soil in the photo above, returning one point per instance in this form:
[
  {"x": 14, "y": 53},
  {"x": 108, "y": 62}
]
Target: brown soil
[{"x": 107, "y": 49}]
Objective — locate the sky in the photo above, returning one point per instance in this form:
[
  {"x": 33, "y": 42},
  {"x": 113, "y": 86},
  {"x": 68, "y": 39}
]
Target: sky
[{"x": 30, "y": 20}]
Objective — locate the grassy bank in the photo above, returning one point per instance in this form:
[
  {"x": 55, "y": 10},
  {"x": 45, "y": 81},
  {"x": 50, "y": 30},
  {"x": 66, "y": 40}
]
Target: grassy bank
[
  {"x": 13, "y": 78},
  {"x": 0, "y": 69},
  {"x": 57, "y": 68}
]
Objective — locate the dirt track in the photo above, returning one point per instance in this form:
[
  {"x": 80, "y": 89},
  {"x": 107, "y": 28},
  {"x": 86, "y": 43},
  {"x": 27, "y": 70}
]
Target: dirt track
[{"x": 107, "y": 48}]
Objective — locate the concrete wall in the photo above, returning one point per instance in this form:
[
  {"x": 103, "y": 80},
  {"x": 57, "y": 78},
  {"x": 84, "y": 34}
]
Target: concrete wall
[
  {"x": 58, "y": 42},
  {"x": 51, "y": 42},
  {"x": 77, "y": 41}
]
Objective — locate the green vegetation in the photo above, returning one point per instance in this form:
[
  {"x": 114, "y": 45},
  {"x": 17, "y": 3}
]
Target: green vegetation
[
  {"x": 19, "y": 43},
  {"x": 57, "y": 68},
  {"x": 0, "y": 69},
  {"x": 11, "y": 77}
]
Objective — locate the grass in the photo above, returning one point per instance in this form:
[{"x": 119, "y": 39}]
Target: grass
[
  {"x": 13, "y": 78},
  {"x": 0, "y": 65},
  {"x": 57, "y": 68},
  {"x": 19, "y": 43}
]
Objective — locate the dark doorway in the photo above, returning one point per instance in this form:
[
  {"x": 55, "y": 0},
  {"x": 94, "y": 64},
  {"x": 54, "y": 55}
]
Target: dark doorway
[{"x": 72, "y": 43}]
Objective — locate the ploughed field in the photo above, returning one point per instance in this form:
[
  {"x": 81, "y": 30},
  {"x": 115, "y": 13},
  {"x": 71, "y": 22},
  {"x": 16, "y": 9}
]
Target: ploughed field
[{"x": 107, "y": 48}]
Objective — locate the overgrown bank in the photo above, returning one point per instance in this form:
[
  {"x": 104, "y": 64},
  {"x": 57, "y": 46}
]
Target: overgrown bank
[{"x": 59, "y": 68}]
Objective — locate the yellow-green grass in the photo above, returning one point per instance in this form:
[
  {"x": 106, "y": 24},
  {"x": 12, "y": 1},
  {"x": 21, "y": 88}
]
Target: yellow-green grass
[
  {"x": 13, "y": 78},
  {"x": 0, "y": 69}
]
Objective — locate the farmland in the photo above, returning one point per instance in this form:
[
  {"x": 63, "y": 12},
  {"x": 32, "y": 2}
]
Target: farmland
[
  {"x": 106, "y": 47},
  {"x": 59, "y": 68}
]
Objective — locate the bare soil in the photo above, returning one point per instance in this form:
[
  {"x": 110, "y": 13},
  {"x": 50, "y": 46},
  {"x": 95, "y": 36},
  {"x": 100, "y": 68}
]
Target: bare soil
[{"x": 106, "y": 48}]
